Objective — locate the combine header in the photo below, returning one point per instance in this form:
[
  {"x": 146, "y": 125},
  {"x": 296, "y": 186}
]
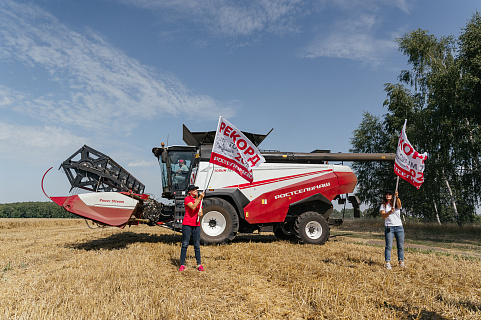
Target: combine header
[
  {"x": 94, "y": 171},
  {"x": 291, "y": 194}
]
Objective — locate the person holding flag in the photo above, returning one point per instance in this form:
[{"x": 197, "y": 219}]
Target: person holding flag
[
  {"x": 233, "y": 150},
  {"x": 393, "y": 227},
  {"x": 191, "y": 226},
  {"x": 409, "y": 165}
]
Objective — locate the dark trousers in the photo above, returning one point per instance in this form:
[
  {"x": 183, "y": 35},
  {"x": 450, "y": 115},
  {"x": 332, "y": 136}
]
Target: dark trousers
[{"x": 187, "y": 232}]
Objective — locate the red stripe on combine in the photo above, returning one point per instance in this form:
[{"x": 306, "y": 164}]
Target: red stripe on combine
[{"x": 269, "y": 181}]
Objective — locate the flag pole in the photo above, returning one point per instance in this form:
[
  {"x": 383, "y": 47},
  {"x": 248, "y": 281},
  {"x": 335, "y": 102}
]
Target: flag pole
[
  {"x": 397, "y": 184},
  {"x": 205, "y": 187},
  {"x": 397, "y": 180},
  {"x": 211, "y": 174}
]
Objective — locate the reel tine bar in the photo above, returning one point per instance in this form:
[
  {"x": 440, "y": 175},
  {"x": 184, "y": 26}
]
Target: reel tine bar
[{"x": 92, "y": 170}]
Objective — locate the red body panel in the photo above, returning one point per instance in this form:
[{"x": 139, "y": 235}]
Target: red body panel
[
  {"x": 273, "y": 206},
  {"x": 347, "y": 182},
  {"x": 102, "y": 211},
  {"x": 59, "y": 200}
]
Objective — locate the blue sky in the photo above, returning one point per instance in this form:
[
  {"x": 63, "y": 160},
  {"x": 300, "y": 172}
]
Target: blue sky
[{"x": 122, "y": 76}]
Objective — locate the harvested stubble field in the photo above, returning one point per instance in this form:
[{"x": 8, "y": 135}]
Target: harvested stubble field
[{"x": 60, "y": 269}]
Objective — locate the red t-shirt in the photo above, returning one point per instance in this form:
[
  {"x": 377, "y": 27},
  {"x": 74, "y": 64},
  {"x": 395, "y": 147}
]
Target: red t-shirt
[{"x": 190, "y": 217}]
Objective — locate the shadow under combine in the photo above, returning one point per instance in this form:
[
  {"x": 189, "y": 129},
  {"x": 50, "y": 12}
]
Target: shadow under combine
[{"x": 122, "y": 240}]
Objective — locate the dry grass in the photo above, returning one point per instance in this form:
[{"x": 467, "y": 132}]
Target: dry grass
[
  {"x": 60, "y": 269},
  {"x": 448, "y": 236}
]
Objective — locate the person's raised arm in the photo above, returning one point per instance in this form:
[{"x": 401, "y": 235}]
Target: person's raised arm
[
  {"x": 197, "y": 201},
  {"x": 385, "y": 214}
]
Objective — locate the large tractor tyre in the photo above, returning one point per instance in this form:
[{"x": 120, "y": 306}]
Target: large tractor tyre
[
  {"x": 220, "y": 222},
  {"x": 286, "y": 231},
  {"x": 311, "y": 227}
]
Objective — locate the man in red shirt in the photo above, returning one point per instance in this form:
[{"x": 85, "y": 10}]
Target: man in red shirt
[{"x": 191, "y": 226}]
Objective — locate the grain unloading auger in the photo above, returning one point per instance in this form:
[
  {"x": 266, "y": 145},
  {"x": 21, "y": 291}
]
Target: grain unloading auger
[{"x": 291, "y": 194}]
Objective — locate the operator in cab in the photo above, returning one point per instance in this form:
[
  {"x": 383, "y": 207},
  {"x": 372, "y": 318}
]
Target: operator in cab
[{"x": 179, "y": 172}]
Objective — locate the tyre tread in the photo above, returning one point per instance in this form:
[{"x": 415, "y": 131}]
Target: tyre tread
[
  {"x": 221, "y": 203},
  {"x": 306, "y": 216}
]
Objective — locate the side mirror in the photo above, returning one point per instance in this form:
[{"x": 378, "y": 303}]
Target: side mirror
[
  {"x": 160, "y": 154},
  {"x": 157, "y": 151}
]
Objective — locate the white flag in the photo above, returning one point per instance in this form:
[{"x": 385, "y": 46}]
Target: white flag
[
  {"x": 409, "y": 164},
  {"x": 234, "y": 151}
]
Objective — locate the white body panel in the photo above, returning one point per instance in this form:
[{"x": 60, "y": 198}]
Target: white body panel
[
  {"x": 108, "y": 200},
  {"x": 267, "y": 177}
]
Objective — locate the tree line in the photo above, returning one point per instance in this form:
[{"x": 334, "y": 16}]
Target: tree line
[
  {"x": 33, "y": 210},
  {"x": 440, "y": 96}
]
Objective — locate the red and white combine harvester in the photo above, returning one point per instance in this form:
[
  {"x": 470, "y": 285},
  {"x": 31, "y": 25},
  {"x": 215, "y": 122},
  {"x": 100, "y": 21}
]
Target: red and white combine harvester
[{"x": 291, "y": 194}]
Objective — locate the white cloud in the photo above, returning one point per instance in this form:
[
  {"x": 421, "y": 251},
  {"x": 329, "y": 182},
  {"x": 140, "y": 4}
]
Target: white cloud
[
  {"x": 372, "y": 5},
  {"x": 355, "y": 35},
  {"x": 30, "y": 142},
  {"x": 232, "y": 18},
  {"x": 142, "y": 163},
  {"x": 360, "y": 34},
  {"x": 404, "y": 5},
  {"x": 101, "y": 85},
  {"x": 355, "y": 39},
  {"x": 354, "y": 46}
]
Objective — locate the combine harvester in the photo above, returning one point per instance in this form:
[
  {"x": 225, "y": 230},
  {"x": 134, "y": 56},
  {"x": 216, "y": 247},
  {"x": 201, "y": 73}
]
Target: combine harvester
[{"x": 291, "y": 194}]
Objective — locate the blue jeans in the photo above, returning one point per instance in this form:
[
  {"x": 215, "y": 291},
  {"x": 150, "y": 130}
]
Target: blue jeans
[
  {"x": 389, "y": 233},
  {"x": 188, "y": 231}
]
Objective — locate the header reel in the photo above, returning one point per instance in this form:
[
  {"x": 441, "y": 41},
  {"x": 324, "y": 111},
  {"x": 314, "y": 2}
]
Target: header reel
[{"x": 92, "y": 170}]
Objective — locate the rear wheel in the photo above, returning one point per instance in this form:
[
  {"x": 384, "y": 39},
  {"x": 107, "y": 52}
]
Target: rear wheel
[
  {"x": 220, "y": 222},
  {"x": 311, "y": 227}
]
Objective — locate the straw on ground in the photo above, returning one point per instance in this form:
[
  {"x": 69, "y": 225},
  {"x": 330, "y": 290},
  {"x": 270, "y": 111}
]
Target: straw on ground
[{"x": 60, "y": 269}]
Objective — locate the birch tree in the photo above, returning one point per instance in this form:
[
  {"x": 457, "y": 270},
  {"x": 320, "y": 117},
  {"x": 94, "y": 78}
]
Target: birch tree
[{"x": 440, "y": 95}]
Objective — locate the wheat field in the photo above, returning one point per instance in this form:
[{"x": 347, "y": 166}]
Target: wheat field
[{"x": 61, "y": 269}]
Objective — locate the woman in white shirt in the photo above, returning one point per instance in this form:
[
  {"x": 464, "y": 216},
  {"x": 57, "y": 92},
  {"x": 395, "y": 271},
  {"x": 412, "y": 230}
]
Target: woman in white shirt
[{"x": 393, "y": 227}]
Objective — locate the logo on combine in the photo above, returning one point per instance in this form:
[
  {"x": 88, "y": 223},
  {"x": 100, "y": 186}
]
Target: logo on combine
[
  {"x": 233, "y": 166},
  {"x": 288, "y": 194},
  {"x": 111, "y": 201}
]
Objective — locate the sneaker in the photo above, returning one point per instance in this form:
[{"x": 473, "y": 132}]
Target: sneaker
[
  {"x": 200, "y": 268},
  {"x": 182, "y": 268},
  {"x": 388, "y": 265},
  {"x": 401, "y": 264}
]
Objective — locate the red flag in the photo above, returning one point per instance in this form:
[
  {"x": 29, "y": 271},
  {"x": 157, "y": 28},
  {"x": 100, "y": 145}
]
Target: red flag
[
  {"x": 234, "y": 151},
  {"x": 409, "y": 164}
]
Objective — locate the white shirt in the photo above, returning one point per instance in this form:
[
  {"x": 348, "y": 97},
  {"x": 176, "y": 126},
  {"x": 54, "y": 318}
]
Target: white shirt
[{"x": 394, "y": 219}]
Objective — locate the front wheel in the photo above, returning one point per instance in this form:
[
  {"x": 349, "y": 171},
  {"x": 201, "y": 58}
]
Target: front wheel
[
  {"x": 311, "y": 227},
  {"x": 220, "y": 222}
]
